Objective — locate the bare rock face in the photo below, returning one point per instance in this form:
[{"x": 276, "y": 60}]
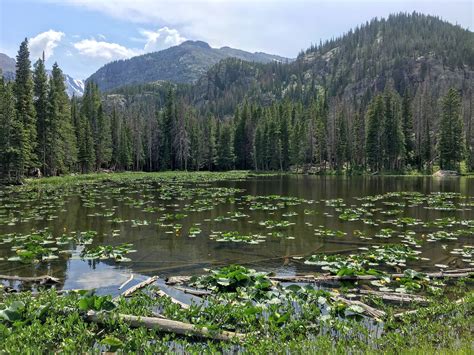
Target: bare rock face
[{"x": 445, "y": 173}]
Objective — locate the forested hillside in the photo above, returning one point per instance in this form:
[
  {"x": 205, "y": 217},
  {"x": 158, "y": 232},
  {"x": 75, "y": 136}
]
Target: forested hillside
[
  {"x": 394, "y": 95},
  {"x": 185, "y": 63}
]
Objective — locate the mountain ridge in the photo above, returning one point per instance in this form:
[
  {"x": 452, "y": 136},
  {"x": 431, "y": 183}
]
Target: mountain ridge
[
  {"x": 8, "y": 68},
  {"x": 184, "y": 63}
]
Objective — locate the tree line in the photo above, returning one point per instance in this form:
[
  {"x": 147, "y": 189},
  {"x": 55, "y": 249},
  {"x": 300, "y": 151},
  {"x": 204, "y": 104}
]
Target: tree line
[{"x": 43, "y": 129}]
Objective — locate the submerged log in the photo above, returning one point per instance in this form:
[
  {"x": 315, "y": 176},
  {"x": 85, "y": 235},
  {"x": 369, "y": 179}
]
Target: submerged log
[
  {"x": 391, "y": 296},
  {"x": 460, "y": 273},
  {"x": 41, "y": 279},
  {"x": 161, "y": 293},
  {"x": 190, "y": 291},
  {"x": 166, "y": 325},
  {"x": 131, "y": 290},
  {"x": 414, "y": 311},
  {"x": 371, "y": 311}
]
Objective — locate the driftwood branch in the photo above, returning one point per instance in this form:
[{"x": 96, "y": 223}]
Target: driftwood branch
[
  {"x": 126, "y": 282},
  {"x": 166, "y": 325},
  {"x": 41, "y": 279},
  {"x": 131, "y": 290}
]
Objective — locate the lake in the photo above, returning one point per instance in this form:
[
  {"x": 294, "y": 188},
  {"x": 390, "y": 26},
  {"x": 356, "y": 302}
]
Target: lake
[{"x": 270, "y": 222}]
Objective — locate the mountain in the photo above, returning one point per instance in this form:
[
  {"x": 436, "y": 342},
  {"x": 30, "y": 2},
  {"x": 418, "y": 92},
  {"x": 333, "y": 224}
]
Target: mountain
[
  {"x": 184, "y": 63},
  {"x": 405, "y": 51},
  {"x": 73, "y": 86},
  {"x": 7, "y": 66}
]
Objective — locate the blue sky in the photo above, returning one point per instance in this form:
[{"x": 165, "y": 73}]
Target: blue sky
[{"x": 83, "y": 35}]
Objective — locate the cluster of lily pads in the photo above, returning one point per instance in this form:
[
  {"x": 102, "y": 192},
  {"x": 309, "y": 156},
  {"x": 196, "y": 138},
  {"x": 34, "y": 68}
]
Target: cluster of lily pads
[{"x": 170, "y": 202}]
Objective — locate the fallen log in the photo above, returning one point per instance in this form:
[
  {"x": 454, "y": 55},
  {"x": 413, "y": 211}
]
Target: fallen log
[
  {"x": 375, "y": 313},
  {"x": 414, "y": 311},
  {"x": 391, "y": 296},
  {"x": 41, "y": 279},
  {"x": 131, "y": 290},
  {"x": 197, "y": 293},
  {"x": 161, "y": 293},
  {"x": 177, "y": 280},
  {"x": 328, "y": 277},
  {"x": 166, "y": 325}
]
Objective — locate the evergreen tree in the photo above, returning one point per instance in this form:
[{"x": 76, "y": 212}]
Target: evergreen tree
[
  {"x": 392, "y": 133},
  {"x": 25, "y": 111},
  {"x": 358, "y": 136},
  {"x": 342, "y": 145},
  {"x": 451, "y": 142},
  {"x": 210, "y": 153},
  {"x": 375, "y": 116},
  {"x": 41, "y": 89},
  {"x": 168, "y": 127},
  {"x": 408, "y": 133},
  {"x": 103, "y": 151},
  {"x": 225, "y": 154},
  {"x": 86, "y": 153},
  {"x": 181, "y": 140},
  {"x": 125, "y": 149},
  {"x": 10, "y": 137}
]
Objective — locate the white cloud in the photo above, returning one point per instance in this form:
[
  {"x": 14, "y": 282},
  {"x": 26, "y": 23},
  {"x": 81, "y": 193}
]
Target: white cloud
[
  {"x": 46, "y": 42},
  {"x": 104, "y": 50},
  {"x": 161, "y": 39}
]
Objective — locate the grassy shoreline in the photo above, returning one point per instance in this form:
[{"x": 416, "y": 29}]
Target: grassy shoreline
[{"x": 194, "y": 175}]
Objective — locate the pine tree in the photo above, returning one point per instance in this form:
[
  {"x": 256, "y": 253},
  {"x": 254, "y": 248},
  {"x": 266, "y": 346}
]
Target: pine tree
[
  {"x": 342, "y": 145},
  {"x": 41, "y": 89},
  {"x": 375, "y": 117},
  {"x": 59, "y": 137},
  {"x": 210, "y": 153},
  {"x": 90, "y": 106},
  {"x": 451, "y": 138},
  {"x": 86, "y": 153},
  {"x": 285, "y": 136},
  {"x": 125, "y": 149},
  {"x": 10, "y": 136},
  {"x": 25, "y": 110},
  {"x": 408, "y": 133},
  {"x": 103, "y": 153},
  {"x": 181, "y": 141},
  {"x": 168, "y": 126},
  {"x": 225, "y": 154},
  {"x": 358, "y": 137},
  {"x": 392, "y": 134}
]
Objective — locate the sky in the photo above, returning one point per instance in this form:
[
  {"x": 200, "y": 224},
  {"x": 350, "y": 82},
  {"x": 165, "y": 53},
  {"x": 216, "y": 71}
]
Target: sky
[{"x": 83, "y": 35}]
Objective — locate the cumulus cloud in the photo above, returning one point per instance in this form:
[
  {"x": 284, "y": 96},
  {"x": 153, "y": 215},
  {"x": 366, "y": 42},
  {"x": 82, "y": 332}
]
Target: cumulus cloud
[
  {"x": 46, "y": 42},
  {"x": 161, "y": 39},
  {"x": 104, "y": 50}
]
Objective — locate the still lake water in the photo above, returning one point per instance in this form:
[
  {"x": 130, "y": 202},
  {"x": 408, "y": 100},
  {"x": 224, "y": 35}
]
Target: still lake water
[{"x": 142, "y": 214}]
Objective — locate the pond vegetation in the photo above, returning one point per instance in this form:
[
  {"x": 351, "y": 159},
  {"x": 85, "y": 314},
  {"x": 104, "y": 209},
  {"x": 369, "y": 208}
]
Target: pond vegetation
[{"x": 387, "y": 292}]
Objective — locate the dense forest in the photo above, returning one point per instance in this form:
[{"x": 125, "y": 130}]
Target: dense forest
[{"x": 374, "y": 100}]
